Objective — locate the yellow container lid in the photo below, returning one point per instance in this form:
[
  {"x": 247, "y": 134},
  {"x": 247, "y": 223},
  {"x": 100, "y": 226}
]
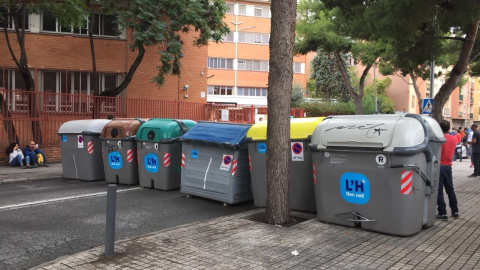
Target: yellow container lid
[{"x": 300, "y": 128}]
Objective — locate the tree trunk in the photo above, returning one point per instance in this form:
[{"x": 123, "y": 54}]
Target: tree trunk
[
  {"x": 280, "y": 79},
  {"x": 96, "y": 111},
  {"x": 7, "y": 122},
  {"x": 417, "y": 91},
  {"x": 357, "y": 97},
  {"x": 22, "y": 65},
  {"x": 457, "y": 72}
]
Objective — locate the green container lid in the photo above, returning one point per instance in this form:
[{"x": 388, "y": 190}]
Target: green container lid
[{"x": 160, "y": 129}]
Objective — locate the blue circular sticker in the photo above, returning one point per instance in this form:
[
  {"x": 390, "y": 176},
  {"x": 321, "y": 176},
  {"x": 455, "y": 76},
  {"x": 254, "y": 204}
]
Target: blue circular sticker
[
  {"x": 194, "y": 154},
  {"x": 151, "y": 163},
  {"x": 262, "y": 148},
  {"x": 115, "y": 160},
  {"x": 355, "y": 188},
  {"x": 64, "y": 138}
]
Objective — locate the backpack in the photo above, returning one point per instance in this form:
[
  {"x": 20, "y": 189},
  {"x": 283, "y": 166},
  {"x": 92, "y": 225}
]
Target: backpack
[{"x": 39, "y": 158}]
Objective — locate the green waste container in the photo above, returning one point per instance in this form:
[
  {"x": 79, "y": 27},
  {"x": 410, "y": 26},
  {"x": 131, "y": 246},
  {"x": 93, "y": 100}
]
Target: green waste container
[
  {"x": 160, "y": 151},
  {"x": 302, "y": 193},
  {"x": 80, "y": 149},
  {"x": 377, "y": 172},
  {"x": 120, "y": 151}
]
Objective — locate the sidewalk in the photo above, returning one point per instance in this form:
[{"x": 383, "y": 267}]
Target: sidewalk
[
  {"x": 16, "y": 174},
  {"x": 233, "y": 242}
]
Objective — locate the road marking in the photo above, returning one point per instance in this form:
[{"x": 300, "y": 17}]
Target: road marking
[{"x": 29, "y": 204}]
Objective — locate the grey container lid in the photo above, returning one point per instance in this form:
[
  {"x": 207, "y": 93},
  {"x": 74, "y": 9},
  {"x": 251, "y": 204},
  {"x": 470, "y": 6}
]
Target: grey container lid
[
  {"x": 399, "y": 133},
  {"x": 93, "y": 126}
]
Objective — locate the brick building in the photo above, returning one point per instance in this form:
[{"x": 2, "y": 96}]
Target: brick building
[
  {"x": 238, "y": 67},
  {"x": 60, "y": 60}
]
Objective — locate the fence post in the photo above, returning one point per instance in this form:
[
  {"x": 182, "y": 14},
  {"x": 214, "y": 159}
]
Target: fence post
[{"x": 252, "y": 114}]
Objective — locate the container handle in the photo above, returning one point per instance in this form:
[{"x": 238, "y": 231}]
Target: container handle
[
  {"x": 417, "y": 168},
  {"x": 357, "y": 217},
  {"x": 183, "y": 128}
]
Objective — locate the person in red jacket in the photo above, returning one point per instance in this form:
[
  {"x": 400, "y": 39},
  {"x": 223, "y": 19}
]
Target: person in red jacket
[{"x": 446, "y": 178}]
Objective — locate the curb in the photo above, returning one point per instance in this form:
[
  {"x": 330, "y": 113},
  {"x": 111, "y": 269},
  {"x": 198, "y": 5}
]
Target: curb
[{"x": 26, "y": 179}]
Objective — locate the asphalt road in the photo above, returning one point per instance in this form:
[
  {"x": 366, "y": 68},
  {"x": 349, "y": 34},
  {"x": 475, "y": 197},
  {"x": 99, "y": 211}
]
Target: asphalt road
[{"x": 43, "y": 220}]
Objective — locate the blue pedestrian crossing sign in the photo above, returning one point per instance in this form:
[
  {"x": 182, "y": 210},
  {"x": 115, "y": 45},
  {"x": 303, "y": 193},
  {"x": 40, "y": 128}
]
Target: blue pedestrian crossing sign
[{"x": 427, "y": 106}]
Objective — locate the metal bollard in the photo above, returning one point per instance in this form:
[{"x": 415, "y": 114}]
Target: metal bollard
[{"x": 110, "y": 230}]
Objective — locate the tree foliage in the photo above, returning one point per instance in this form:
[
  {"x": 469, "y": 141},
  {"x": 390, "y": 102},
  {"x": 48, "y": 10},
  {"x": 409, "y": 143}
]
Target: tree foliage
[
  {"x": 416, "y": 32},
  {"x": 297, "y": 96},
  {"x": 159, "y": 24},
  {"x": 319, "y": 28},
  {"x": 327, "y": 79},
  {"x": 13, "y": 15}
]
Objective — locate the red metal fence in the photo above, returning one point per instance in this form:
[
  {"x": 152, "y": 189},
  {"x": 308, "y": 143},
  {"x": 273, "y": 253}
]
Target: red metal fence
[{"x": 37, "y": 116}]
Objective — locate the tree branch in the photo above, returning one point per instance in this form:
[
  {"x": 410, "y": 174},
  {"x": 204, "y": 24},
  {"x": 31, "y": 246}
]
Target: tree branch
[
  {"x": 343, "y": 70},
  {"x": 9, "y": 45},
  {"x": 454, "y": 38},
  {"x": 129, "y": 76}
]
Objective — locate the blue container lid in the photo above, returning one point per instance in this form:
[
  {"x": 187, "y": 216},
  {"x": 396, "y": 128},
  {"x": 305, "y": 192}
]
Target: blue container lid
[{"x": 226, "y": 135}]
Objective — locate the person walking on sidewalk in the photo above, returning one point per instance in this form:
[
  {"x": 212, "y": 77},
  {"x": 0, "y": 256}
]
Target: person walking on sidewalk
[
  {"x": 446, "y": 178},
  {"x": 475, "y": 143},
  {"x": 16, "y": 157},
  {"x": 32, "y": 151}
]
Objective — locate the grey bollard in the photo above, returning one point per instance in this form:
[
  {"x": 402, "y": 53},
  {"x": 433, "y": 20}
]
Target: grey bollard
[{"x": 110, "y": 230}]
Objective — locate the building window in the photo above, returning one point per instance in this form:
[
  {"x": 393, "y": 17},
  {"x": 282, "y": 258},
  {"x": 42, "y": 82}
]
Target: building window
[
  {"x": 11, "y": 21},
  {"x": 231, "y": 8},
  {"x": 253, "y": 38},
  {"x": 220, "y": 63},
  {"x": 252, "y": 91},
  {"x": 104, "y": 25},
  {"x": 12, "y": 80},
  {"x": 299, "y": 68},
  {"x": 220, "y": 90},
  {"x": 76, "y": 82},
  {"x": 228, "y": 37},
  {"x": 446, "y": 112},
  {"x": 254, "y": 11},
  {"x": 262, "y": 12},
  {"x": 242, "y": 10},
  {"x": 253, "y": 65}
]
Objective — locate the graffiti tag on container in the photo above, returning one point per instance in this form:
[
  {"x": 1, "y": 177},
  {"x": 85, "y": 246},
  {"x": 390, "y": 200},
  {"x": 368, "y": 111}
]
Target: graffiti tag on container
[{"x": 372, "y": 130}]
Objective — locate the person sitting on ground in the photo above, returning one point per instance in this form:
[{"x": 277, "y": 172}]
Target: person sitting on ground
[
  {"x": 33, "y": 151},
  {"x": 16, "y": 157}
]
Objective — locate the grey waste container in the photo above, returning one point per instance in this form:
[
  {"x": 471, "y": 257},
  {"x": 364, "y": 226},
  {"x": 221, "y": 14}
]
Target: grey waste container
[
  {"x": 119, "y": 151},
  {"x": 302, "y": 193},
  {"x": 379, "y": 172},
  {"x": 80, "y": 149},
  {"x": 215, "y": 162},
  {"x": 160, "y": 151}
]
